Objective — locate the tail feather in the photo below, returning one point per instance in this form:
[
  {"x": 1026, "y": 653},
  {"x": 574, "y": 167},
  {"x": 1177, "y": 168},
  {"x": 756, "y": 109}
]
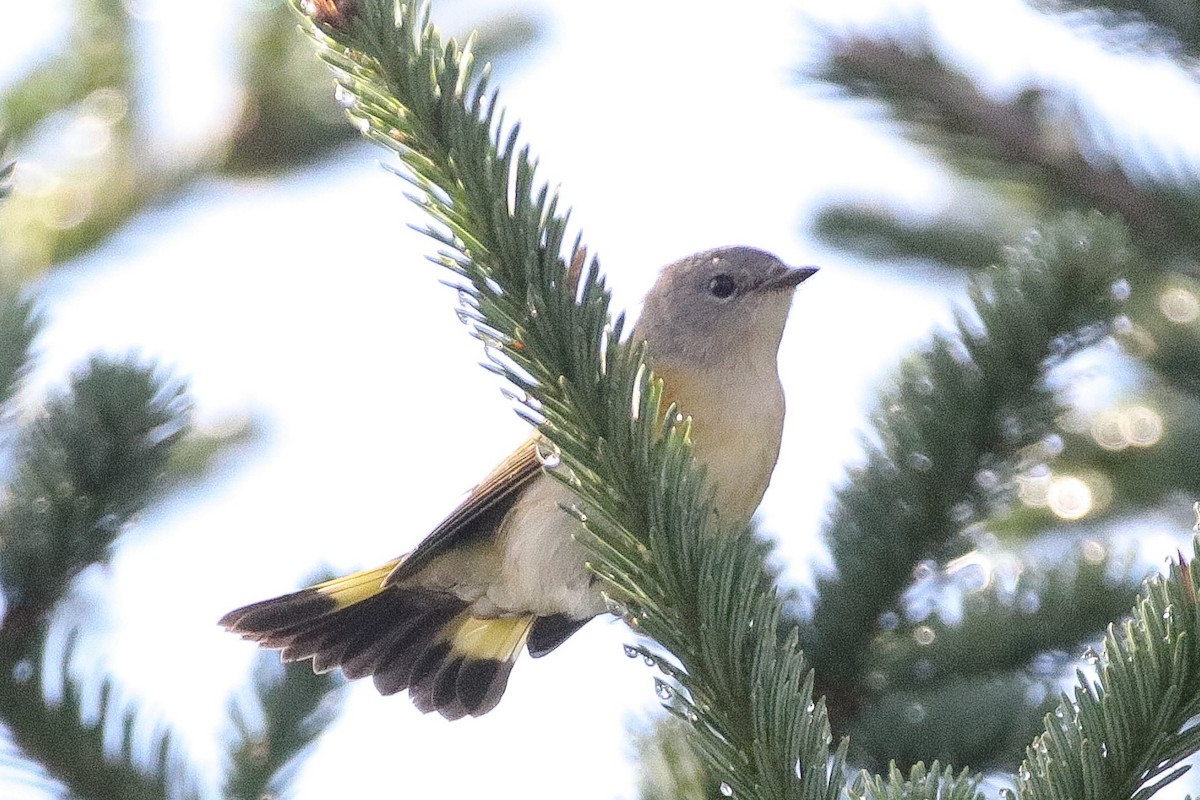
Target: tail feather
[{"x": 423, "y": 641}]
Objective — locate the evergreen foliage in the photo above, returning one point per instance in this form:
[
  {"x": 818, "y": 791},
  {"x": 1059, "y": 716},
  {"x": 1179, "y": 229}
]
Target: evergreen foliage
[
  {"x": 1004, "y": 429},
  {"x": 79, "y": 471},
  {"x": 91, "y": 87},
  {"x": 732, "y": 671},
  {"x": 969, "y": 418},
  {"x": 296, "y": 705}
]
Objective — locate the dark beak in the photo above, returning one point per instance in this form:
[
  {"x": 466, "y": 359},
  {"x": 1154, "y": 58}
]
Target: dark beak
[{"x": 789, "y": 277}]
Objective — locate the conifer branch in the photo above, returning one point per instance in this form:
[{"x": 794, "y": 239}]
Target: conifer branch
[
  {"x": 732, "y": 670},
  {"x": 953, "y": 427},
  {"x": 19, "y": 326},
  {"x": 885, "y": 235},
  {"x": 1125, "y": 733},
  {"x": 1024, "y": 138},
  {"x": 83, "y": 468},
  {"x": 294, "y": 707},
  {"x": 1173, "y": 27},
  {"x": 704, "y": 597},
  {"x": 69, "y": 743}
]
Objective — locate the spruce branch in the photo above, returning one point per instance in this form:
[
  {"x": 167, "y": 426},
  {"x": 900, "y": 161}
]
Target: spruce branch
[
  {"x": 887, "y": 236},
  {"x": 85, "y": 466},
  {"x": 294, "y": 707},
  {"x": 1126, "y": 732},
  {"x": 70, "y": 742},
  {"x": 1029, "y": 138},
  {"x": 732, "y": 671},
  {"x": 1003, "y": 628},
  {"x": 934, "y": 783},
  {"x": 83, "y": 469},
  {"x": 1171, "y": 26},
  {"x": 704, "y": 597},
  {"x": 19, "y": 324},
  {"x": 960, "y": 417}
]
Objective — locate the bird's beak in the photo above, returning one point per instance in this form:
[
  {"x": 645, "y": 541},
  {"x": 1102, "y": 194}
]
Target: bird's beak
[{"x": 788, "y": 277}]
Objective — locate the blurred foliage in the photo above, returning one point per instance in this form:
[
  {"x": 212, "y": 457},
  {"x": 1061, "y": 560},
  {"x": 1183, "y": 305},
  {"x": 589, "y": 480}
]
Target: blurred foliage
[
  {"x": 81, "y": 126},
  {"x": 1151, "y": 27},
  {"x": 118, "y": 439},
  {"x": 1015, "y": 463},
  {"x": 292, "y": 707}
]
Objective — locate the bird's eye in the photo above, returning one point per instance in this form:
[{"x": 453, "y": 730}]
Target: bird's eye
[{"x": 722, "y": 286}]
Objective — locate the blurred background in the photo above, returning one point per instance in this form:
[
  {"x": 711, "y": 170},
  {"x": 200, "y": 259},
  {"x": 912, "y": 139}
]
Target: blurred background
[{"x": 187, "y": 191}]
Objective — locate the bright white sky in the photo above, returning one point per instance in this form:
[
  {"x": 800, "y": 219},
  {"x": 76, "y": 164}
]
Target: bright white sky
[{"x": 308, "y": 301}]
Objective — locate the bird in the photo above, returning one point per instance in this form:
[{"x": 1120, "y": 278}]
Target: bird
[{"x": 503, "y": 572}]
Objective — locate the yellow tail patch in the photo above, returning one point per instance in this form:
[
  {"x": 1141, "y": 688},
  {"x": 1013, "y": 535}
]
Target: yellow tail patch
[
  {"x": 351, "y": 589},
  {"x": 487, "y": 639}
]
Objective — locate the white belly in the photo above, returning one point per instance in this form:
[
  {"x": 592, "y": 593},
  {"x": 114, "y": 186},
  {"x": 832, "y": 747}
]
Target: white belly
[{"x": 535, "y": 565}]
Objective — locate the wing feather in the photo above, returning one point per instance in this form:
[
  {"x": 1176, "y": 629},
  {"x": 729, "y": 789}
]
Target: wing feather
[{"x": 478, "y": 516}]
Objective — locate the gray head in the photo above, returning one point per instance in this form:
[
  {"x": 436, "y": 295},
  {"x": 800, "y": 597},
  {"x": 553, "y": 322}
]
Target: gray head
[{"x": 725, "y": 306}]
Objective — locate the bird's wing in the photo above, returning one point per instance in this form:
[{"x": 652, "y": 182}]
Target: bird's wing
[{"x": 480, "y": 515}]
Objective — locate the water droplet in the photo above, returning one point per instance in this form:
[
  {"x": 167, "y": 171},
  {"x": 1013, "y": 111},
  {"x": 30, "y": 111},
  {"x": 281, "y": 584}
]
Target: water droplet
[
  {"x": 726, "y": 789},
  {"x": 877, "y": 680},
  {"x": 362, "y": 124},
  {"x": 344, "y": 97},
  {"x": 614, "y": 606},
  {"x": 649, "y": 660},
  {"x": 663, "y": 689},
  {"x": 925, "y": 569},
  {"x": 962, "y": 512},
  {"x": 924, "y": 635},
  {"x": 548, "y": 454},
  {"x": 1120, "y": 289},
  {"x": 798, "y": 768},
  {"x": 987, "y": 479},
  {"x": 915, "y": 714},
  {"x": 889, "y": 620},
  {"x": 1121, "y": 325},
  {"x": 630, "y": 651},
  {"x": 1091, "y": 656},
  {"x": 1104, "y": 749},
  {"x": 920, "y": 462},
  {"x": 691, "y": 715},
  {"x": 972, "y": 576},
  {"x": 1029, "y": 602},
  {"x": 22, "y": 670},
  {"x": 1179, "y": 305},
  {"x": 1169, "y": 613},
  {"x": 1053, "y": 444},
  {"x": 1011, "y": 428}
]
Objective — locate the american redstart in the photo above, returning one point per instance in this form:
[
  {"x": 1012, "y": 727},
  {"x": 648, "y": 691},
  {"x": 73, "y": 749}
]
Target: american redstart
[{"x": 503, "y": 572}]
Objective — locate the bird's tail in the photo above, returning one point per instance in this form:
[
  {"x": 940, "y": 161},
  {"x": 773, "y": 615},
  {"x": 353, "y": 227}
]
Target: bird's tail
[{"x": 424, "y": 641}]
